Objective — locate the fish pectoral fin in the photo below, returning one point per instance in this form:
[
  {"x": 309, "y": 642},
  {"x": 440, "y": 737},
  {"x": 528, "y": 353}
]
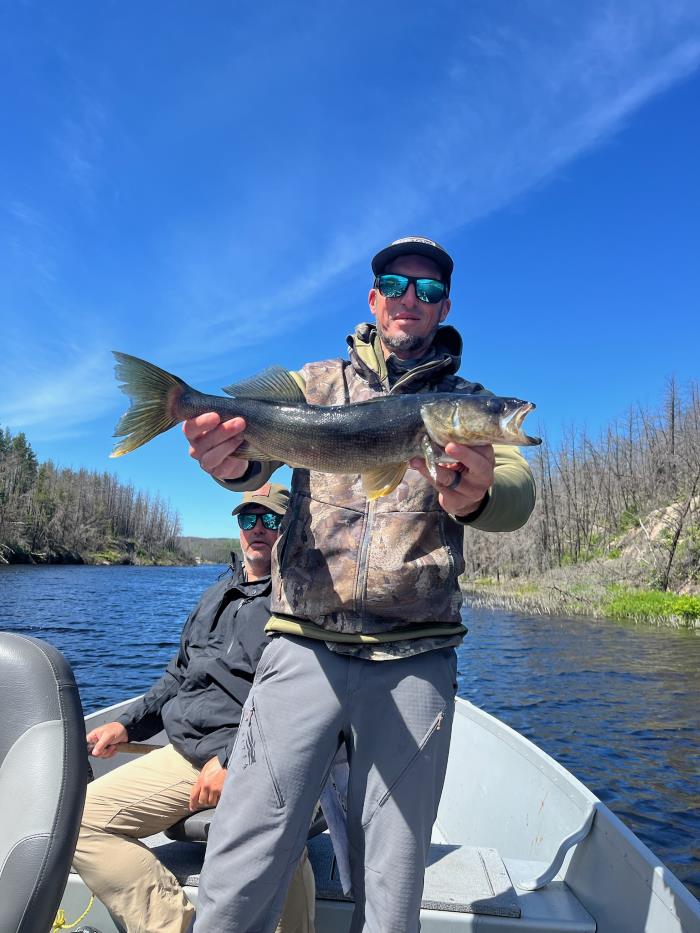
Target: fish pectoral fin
[
  {"x": 247, "y": 451},
  {"x": 273, "y": 384},
  {"x": 383, "y": 480},
  {"x": 430, "y": 453},
  {"x": 434, "y": 455}
]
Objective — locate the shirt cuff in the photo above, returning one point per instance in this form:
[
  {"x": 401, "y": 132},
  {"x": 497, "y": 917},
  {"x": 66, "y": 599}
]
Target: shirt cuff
[{"x": 472, "y": 516}]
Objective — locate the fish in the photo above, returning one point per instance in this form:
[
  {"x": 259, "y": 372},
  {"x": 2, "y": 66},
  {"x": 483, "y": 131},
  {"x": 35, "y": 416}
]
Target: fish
[{"x": 375, "y": 438}]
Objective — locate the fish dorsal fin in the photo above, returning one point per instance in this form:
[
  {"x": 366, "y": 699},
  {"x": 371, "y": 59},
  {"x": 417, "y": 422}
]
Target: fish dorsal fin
[
  {"x": 383, "y": 480},
  {"x": 272, "y": 384}
]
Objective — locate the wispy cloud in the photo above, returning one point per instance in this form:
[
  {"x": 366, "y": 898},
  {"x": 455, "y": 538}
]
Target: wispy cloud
[
  {"x": 78, "y": 143},
  {"x": 31, "y": 243},
  {"x": 55, "y": 391},
  {"x": 522, "y": 93}
]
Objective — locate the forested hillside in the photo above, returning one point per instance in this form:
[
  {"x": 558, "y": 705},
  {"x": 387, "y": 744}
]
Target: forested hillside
[
  {"x": 52, "y": 514},
  {"x": 211, "y": 550},
  {"x": 631, "y": 495}
]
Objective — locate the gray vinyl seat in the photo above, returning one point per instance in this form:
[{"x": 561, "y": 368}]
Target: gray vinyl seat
[
  {"x": 195, "y": 827},
  {"x": 43, "y": 776}
]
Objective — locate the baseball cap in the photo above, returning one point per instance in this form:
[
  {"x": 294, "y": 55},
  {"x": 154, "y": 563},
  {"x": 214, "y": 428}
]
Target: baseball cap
[
  {"x": 271, "y": 496},
  {"x": 415, "y": 246}
]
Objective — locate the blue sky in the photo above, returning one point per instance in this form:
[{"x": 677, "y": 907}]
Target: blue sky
[{"x": 204, "y": 187}]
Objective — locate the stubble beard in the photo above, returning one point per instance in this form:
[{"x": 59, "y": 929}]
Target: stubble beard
[
  {"x": 257, "y": 562},
  {"x": 406, "y": 343}
]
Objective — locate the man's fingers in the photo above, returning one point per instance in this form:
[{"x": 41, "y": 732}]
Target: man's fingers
[
  {"x": 478, "y": 460},
  {"x": 214, "y": 443},
  {"x": 194, "y": 428},
  {"x": 100, "y": 742},
  {"x": 222, "y": 458},
  {"x": 203, "y": 796},
  {"x": 461, "y": 486},
  {"x": 445, "y": 472},
  {"x": 208, "y": 430}
]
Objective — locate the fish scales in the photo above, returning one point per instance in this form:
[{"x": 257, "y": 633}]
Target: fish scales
[{"x": 334, "y": 439}]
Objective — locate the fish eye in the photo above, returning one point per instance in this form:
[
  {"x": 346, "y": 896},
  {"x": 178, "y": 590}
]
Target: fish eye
[{"x": 495, "y": 405}]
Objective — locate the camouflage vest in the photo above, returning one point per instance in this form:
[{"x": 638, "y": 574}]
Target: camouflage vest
[{"x": 354, "y": 566}]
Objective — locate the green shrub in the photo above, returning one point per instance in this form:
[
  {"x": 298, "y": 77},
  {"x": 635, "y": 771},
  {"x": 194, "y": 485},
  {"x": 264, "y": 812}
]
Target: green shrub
[
  {"x": 688, "y": 607},
  {"x": 651, "y": 604},
  {"x": 629, "y": 519}
]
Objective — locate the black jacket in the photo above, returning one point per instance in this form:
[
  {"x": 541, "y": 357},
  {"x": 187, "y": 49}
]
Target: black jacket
[{"x": 200, "y": 697}]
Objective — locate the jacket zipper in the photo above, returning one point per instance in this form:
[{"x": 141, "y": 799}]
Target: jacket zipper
[
  {"x": 363, "y": 554},
  {"x": 363, "y": 559}
]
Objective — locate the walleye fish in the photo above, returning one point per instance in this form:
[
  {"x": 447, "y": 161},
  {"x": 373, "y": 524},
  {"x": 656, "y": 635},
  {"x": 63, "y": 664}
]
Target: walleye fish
[{"x": 375, "y": 438}]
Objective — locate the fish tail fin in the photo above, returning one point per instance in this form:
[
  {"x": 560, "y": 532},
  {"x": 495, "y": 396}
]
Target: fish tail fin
[{"x": 154, "y": 395}]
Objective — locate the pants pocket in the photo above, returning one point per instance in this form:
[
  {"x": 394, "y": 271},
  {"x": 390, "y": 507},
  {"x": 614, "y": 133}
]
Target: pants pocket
[
  {"x": 253, "y": 744},
  {"x": 434, "y": 727}
]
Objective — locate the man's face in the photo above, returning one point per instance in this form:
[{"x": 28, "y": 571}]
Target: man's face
[
  {"x": 406, "y": 325},
  {"x": 257, "y": 544}
]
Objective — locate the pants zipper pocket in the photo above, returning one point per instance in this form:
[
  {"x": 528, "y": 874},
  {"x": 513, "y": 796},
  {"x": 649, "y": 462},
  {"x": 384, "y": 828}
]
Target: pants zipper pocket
[
  {"x": 436, "y": 725},
  {"x": 273, "y": 779}
]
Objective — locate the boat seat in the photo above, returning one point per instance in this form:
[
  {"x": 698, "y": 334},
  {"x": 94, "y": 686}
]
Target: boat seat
[
  {"x": 192, "y": 828},
  {"x": 473, "y": 882},
  {"x": 195, "y": 827},
  {"x": 457, "y": 879},
  {"x": 43, "y": 776}
]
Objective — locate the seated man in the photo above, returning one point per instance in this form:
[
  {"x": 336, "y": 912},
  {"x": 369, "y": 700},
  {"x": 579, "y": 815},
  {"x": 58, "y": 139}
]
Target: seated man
[{"x": 198, "y": 701}]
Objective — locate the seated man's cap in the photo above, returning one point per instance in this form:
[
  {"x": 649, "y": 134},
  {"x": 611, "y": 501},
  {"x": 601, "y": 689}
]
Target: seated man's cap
[
  {"x": 415, "y": 246},
  {"x": 271, "y": 496}
]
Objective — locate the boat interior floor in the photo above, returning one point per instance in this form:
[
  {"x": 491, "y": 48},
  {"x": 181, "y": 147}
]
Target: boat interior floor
[{"x": 466, "y": 888}]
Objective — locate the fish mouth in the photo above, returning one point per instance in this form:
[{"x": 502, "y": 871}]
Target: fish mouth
[{"x": 511, "y": 425}]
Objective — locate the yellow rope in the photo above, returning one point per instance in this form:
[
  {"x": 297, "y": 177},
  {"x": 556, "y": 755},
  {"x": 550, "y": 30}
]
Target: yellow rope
[{"x": 60, "y": 921}]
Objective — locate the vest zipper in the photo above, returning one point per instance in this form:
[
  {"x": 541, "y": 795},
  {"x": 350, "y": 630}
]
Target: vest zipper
[{"x": 363, "y": 559}]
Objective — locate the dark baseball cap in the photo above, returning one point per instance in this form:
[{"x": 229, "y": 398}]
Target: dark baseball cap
[
  {"x": 415, "y": 246},
  {"x": 271, "y": 496}
]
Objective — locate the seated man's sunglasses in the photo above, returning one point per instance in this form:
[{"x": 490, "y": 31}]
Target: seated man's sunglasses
[
  {"x": 394, "y": 286},
  {"x": 248, "y": 520}
]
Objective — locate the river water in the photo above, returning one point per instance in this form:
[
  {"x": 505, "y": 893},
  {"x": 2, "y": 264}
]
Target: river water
[{"x": 617, "y": 705}]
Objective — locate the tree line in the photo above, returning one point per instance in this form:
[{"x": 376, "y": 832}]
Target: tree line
[
  {"x": 638, "y": 484},
  {"x": 51, "y": 513}
]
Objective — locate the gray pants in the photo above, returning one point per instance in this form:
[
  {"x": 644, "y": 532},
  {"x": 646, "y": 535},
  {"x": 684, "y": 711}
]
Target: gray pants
[{"x": 395, "y": 718}]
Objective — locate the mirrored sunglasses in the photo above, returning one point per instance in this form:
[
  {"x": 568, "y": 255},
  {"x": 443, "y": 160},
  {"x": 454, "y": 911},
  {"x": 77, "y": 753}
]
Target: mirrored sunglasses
[
  {"x": 248, "y": 520},
  {"x": 394, "y": 286}
]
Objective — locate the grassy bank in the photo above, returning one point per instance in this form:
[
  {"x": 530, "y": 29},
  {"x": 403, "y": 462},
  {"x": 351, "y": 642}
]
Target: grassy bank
[
  {"x": 597, "y": 589},
  {"x": 124, "y": 553}
]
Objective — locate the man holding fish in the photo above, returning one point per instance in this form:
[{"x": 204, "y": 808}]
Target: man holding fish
[{"x": 394, "y": 454}]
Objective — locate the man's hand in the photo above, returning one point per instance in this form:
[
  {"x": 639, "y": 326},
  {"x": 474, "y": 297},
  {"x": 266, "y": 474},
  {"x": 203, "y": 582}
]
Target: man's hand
[
  {"x": 105, "y": 740},
  {"x": 208, "y": 786},
  {"x": 475, "y": 470},
  {"x": 214, "y": 442}
]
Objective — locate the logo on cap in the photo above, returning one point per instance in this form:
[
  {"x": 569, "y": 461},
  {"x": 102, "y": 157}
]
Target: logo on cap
[{"x": 416, "y": 239}]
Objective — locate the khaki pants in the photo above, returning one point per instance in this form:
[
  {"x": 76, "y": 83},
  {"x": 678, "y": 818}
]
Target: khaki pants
[{"x": 141, "y": 798}]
